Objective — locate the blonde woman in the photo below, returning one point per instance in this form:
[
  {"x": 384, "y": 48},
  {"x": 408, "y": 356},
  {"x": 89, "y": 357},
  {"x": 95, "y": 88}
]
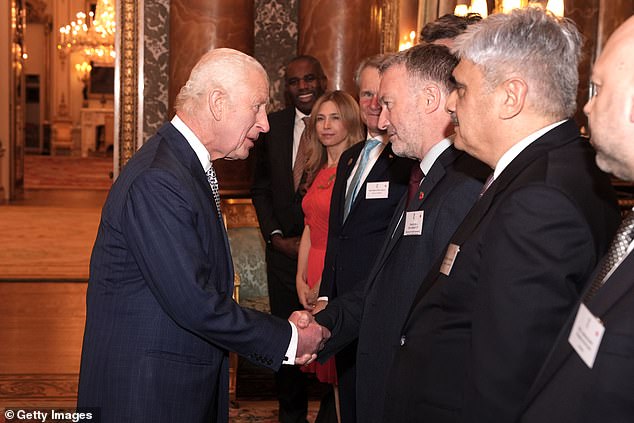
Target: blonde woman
[{"x": 333, "y": 127}]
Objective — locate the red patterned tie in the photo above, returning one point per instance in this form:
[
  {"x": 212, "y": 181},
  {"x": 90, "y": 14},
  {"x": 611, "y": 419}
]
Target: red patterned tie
[{"x": 415, "y": 177}]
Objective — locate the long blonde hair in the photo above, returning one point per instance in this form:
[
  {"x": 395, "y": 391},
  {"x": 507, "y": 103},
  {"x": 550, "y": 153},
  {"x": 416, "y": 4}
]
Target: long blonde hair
[{"x": 316, "y": 152}]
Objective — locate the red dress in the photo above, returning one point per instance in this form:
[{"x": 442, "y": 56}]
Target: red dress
[{"x": 316, "y": 206}]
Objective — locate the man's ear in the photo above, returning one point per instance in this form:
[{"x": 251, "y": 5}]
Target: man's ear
[
  {"x": 217, "y": 103},
  {"x": 431, "y": 98},
  {"x": 513, "y": 96}
]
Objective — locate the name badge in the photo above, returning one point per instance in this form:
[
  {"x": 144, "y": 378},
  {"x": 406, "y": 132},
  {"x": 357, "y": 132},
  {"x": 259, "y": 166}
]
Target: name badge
[
  {"x": 413, "y": 223},
  {"x": 377, "y": 190},
  {"x": 450, "y": 258},
  {"x": 586, "y": 334}
]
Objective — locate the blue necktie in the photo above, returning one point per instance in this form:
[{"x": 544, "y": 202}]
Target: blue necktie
[
  {"x": 356, "y": 182},
  {"x": 213, "y": 182}
]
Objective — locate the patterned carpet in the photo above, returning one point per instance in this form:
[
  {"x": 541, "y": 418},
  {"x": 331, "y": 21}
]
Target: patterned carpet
[
  {"x": 264, "y": 412},
  {"x": 66, "y": 172}
]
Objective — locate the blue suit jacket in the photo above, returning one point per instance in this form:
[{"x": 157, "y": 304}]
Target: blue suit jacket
[{"x": 160, "y": 315}]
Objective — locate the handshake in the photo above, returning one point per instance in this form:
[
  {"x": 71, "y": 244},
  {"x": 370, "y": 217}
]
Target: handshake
[{"x": 312, "y": 337}]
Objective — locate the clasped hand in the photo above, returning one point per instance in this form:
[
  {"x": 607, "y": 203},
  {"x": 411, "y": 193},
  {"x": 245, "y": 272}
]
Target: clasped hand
[
  {"x": 312, "y": 337},
  {"x": 287, "y": 246}
]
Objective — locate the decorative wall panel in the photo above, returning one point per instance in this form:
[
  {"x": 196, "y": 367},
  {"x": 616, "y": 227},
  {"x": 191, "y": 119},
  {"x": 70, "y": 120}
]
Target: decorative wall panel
[
  {"x": 156, "y": 66},
  {"x": 275, "y": 42}
]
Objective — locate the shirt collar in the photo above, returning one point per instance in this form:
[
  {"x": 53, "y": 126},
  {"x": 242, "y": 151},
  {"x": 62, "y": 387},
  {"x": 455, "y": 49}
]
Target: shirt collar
[
  {"x": 433, "y": 154},
  {"x": 378, "y": 137},
  {"x": 299, "y": 115},
  {"x": 194, "y": 142},
  {"x": 515, "y": 151}
]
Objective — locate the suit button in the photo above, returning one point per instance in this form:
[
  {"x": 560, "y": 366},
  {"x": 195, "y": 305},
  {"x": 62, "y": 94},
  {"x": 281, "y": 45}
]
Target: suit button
[{"x": 403, "y": 340}]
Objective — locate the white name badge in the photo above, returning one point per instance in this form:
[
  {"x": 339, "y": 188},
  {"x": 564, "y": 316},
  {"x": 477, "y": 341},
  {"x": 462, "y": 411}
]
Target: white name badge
[
  {"x": 450, "y": 258},
  {"x": 377, "y": 190},
  {"x": 413, "y": 223},
  {"x": 586, "y": 334}
]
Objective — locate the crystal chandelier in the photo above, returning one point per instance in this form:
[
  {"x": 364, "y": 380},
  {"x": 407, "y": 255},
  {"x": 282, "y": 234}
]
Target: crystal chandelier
[{"x": 92, "y": 35}]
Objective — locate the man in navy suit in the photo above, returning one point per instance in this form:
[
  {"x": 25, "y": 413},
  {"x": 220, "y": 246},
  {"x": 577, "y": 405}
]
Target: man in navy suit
[
  {"x": 160, "y": 315},
  {"x": 413, "y": 90},
  {"x": 596, "y": 383},
  {"x": 486, "y": 315},
  {"x": 277, "y": 197},
  {"x": 358, "y": 223}
]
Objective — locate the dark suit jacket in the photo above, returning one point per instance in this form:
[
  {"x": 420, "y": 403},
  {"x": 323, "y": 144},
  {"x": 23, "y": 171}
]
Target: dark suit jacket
[
  {"x": 354, "y": 244},
  {"x": 474, "y": 341},
  {"x": 277, "y": 204},
  {"x": 566, "y": 390},
  {"x": 375, "y": 314},
  {"x": 160, "y": 318}
]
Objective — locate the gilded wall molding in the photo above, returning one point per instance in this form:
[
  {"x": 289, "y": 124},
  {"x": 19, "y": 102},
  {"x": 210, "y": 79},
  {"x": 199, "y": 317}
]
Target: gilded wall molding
[
  {"x": 389, "y": 39},
  {"x": 127, "y": 91}
]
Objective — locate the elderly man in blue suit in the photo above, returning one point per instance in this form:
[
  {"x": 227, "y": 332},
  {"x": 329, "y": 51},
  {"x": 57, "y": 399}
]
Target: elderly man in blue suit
[{"x": 160, "y": 315}]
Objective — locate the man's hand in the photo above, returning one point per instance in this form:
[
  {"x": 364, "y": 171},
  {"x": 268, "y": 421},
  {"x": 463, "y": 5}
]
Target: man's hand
[
  {"x": 287, "y": 246},
  {"x": 312, "y": 337},
  {"x": 302, "y": 319}
]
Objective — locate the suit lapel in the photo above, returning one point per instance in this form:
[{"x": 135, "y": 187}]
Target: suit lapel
[
  {"x": 186, "y": 155},
  {"x": 561, "y": 135},
  {"x": 396, "y": 224},
  {"x": 286, "y": 134},
  {"x": 383, "y": 162},
  {"x": 346, "y": 171},
  {"x": 431, "y": 180}
]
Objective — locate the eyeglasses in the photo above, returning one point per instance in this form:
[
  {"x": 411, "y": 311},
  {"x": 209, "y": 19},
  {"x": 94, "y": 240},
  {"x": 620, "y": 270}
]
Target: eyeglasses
[
  {"x": 593, "y": 90},
  {"x": 310, "y": 78}
]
